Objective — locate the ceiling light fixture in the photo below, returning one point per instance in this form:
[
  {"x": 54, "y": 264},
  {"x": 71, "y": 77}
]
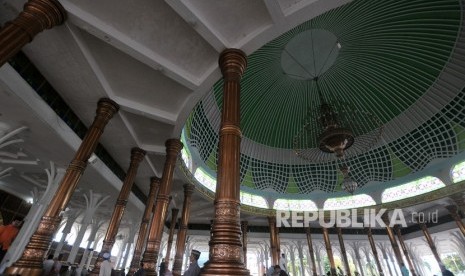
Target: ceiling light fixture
[
  {"x": 335, "y": 129},
  {"x": 348, "y": 184}
]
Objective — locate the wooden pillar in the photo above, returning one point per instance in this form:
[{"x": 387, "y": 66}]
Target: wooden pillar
[
  {"x": 150, "y": 257},
  {"x": 430, "y": 241},
  {"x": 310, "y": 250},
  {"x": 154, "y": 185},
  {"x": 374, "y": 250},
  {"x": 182, "y": 232},
  {"x": 343, "y": 250},
  {"x": 37, "y": 15},
  {"x": 453, "y": 210},
  {"x": 32, "y": 258},
  {"x": 226, "y": 255},
  {"x": 174, "y": 218},
  {"x": 404, "y": 249},
  {"x": 273, "y": 241},
  {"x": 244, "y": 226},
  {"x": 137, "y": 156},
  {"x": 329, "y": 251},
  {"x": 392, "y": 239}
]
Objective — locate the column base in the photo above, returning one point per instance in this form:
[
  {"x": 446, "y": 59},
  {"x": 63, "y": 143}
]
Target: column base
[
  {"x": 232, "y": 269},
  {"x": 23, "y": 271}
]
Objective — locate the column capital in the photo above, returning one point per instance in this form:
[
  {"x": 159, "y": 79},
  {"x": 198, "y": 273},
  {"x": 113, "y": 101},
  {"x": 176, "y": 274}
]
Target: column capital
[
  {"x": 38, "y": 15},
  {"x": 137, "y": 155},
  {"x": 188, "y": 189},
  {"x": 106, "y": 105},
  {"x": 155, "y": 181},
  {"x": 232, "y": 63},
  {"x": 173, "y": 146}
]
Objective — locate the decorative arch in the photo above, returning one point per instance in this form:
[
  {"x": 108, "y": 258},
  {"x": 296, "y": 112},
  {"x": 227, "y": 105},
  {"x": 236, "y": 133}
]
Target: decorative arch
[
  {"x": 417, "y": 187},
  {"x": 205, "y": 179},
  {"x": 294, "y": 205},
  {"x": 458, "y": 172},
  {"x": 348, "y": 202},
  {"x": 253, "y": 200}
]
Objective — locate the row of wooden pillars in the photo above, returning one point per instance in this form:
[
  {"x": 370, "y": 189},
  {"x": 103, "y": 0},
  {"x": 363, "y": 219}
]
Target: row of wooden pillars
[
  {"x": 394, "y": 234},
  {"x": 227, "y": 245}
]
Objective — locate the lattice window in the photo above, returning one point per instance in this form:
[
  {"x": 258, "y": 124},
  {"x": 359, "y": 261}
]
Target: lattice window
[
  {"x": 348, "y": 202},
  {"x": 458, "y": 172},
  {"x": 294, "y": 205},
  {"x": 186, "y": 155},
  {"x": 410, "y": 189},
  {"x": 253, "y": 200},
  {"x": 205, "y": 179}
]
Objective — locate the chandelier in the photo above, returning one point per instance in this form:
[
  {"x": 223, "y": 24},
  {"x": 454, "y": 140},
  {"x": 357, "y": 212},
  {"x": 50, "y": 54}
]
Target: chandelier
[
  {"x": 335, "y": 130},
  {"x": 348, "y": 184}
]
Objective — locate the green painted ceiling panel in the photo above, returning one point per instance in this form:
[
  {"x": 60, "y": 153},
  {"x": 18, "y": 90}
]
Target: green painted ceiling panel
[{"x": 386, "y": 58}]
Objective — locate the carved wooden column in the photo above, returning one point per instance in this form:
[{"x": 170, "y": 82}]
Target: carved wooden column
[
  {"x": 453, "y": 210},
  {"x": 174, "y": 218},
  {"x": 310, "y": 250},
  {"x": 37, "y": 15},
  {"x": 343, "y": 250},
  {"x": 329, "y": 251},
  {"x": 374, "y": 250},
  {"x": 31, "y": 260},
  {"x": 154, "y": 185},
  {"x": 182, "y": 232},
  {"x": 244, "y": 226},
  {"x": 404, "y": 249},
  {"x": 430, "y": 241},
  {"x": 150, "y": 257},
  {"x": 392, "y": 239},
  {"x": 137, "y": 155},
  {"x": 273, "y": 241},
  {"x": 226, "y": 255}
]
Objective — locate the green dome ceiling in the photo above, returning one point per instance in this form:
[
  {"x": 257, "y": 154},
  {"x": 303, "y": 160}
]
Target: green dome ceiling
[{"x": 393, "y": 59}]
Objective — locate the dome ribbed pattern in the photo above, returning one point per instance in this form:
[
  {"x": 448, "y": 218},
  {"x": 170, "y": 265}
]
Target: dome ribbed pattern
[{"x": 399, "y": 60}]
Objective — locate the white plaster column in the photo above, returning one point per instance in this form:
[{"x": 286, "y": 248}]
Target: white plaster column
[
  {"x": 318, "y": 249},
  {"x": 393, "y": 262},
  {"x": 132, "y": 233},
  {"x": 459, "y": 243},
  {"x": 413, "y": 253},
  {"x": 71, "y": 218},
  {"x": 367, "y": 251},
  {"x": 356, "y": 246},
  {"x": 187, "y": 253},
  {"x": 266, "y": 254},
  {"x": 300, "y": 252},
  {"x": 122, "y": 248},
  {"x": 100, "y": 236},
  {"x": 120, "y": 259},
  {"x": 291, "y": 248},
  {"x": 93, "y": 202},
  {"x": 384, "y": 248},
  {"x": 94, "y": 227},
  {"x": 31, "y": 221},
  {"x": 163, "y": 247}
]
